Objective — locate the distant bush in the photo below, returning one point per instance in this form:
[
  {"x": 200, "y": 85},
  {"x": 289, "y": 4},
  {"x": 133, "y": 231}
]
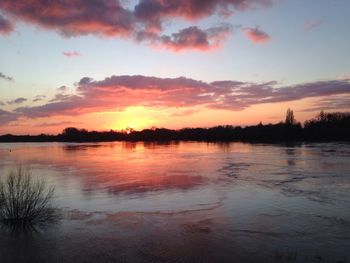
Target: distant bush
[{"x": 25, "y": 200}]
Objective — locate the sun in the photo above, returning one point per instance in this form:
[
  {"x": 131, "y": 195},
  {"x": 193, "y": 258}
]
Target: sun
[{"x": 128, "y": 130}]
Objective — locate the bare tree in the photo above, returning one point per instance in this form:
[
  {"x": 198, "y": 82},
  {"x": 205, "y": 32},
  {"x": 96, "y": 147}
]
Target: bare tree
[{"x": 25, "y": 200}]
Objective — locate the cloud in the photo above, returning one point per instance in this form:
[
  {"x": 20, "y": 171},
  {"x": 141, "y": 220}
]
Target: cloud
[
  {"x": 196, "y": 38},
  {"x": 256, "y": 35},
  {"x": 73, "y": 18},
  {"x": 310, "y": 25},
  {"x": 154, "y": 12},
  {"x": 3, "y": 76},
  {"x": 60, "y": 97},
  {"x": 7, "y": 117},
  {"x": 337, "y": 102},
  {"x": 54, "y": 124},
  {"x": 39, "y": 98},
  {"x": 71, "y": 54},
  {"x": 189, "y": 38},
  {"x": 116, "y": 93},
  {"x": 17, "y": 101},
  {"x": 62, "y": 89},
  {"x": 6, "y": 26},
  {"x": 144, "y": 20}
]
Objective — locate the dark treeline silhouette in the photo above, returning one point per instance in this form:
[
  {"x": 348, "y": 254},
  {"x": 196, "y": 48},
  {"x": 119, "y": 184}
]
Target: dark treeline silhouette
[{"x": 324, "y": 127}]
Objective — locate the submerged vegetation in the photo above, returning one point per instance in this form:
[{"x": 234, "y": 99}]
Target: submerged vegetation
[
  {"x": 25, "y": 200},
  {"x": 324, "y": 127}
]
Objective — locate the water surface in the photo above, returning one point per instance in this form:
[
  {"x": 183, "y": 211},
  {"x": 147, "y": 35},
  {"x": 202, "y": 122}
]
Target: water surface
[{"x": 186, "y": 202}]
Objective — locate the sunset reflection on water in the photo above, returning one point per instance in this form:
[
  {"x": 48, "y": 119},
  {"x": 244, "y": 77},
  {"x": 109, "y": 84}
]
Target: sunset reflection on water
[{"x": 188, "y": 201}]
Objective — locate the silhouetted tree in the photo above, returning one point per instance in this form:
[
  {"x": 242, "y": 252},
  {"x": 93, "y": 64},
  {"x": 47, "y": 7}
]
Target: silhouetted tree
[
  {"x": 324, "y": 127},
  {"x": 322, "y": 116},
  {"x": 290, "y": 120},
  {"x": 70, "y": 132},
  {"x": 328, "y": 126}
]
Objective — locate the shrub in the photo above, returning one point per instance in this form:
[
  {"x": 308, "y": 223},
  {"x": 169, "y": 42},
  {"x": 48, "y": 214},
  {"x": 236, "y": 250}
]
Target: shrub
[{"x": 25, "y": 200}]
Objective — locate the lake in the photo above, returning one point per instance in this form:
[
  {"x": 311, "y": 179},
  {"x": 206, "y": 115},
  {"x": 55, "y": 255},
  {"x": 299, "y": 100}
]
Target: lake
[{"x": 186, "y": 202}]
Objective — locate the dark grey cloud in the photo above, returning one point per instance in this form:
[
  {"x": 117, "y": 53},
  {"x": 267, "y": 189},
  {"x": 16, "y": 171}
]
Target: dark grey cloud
[
  {"x": 196, "y": 38},
  {"x": 3, "y": 76},
  {"x": 39, "y": 98},
  {"x": 17, "y": 101},
  {"x": 60, "y": 97},
  {"x": 62, "y": 89},
  {"x": 6, "y": 26}
]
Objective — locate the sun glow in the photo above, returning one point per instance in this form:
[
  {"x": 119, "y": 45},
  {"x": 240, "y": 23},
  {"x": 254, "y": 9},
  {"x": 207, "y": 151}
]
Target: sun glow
[{"x": 134, "y": 118}]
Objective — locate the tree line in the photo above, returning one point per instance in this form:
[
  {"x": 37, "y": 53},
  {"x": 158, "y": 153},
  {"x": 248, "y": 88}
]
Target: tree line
[{"x": 324, "y": 127}]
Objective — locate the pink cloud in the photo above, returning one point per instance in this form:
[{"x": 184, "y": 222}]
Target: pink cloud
[
  {"x": 154, "y": 12},
  {"x": 142, "y": 22},
  {"x": 116, "y": 93},
  {"x": 256, "y": 35},
  {"x": 192, "y": 9},
  {"x": 72, "y": 18},
  {"x": 7, "y": 117},
  {"x": 71, "y": 53}
]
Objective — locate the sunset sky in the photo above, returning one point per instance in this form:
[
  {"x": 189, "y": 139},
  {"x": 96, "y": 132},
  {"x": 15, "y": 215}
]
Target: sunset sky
[{"x": 110, "y": 64}]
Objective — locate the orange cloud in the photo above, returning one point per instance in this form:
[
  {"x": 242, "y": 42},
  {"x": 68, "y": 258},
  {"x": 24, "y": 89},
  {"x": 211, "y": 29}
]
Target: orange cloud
[{"x": 120, "y": 92}]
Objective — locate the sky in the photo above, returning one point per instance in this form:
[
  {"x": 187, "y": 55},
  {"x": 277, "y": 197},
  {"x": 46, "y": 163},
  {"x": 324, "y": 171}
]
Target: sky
[{"x": 112, "y": 64}]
